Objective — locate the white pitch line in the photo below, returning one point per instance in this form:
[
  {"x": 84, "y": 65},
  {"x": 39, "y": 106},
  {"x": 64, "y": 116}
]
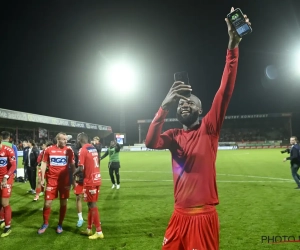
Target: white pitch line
[
  {"x": 233, "y": 175},
  {"x": 259, "y": 181},
  {"x": 254, "y": 176},
  {"x": 135, "y": 180},
  {"x": 241, "y": 154},
  {"x": 143, "y": 171}
]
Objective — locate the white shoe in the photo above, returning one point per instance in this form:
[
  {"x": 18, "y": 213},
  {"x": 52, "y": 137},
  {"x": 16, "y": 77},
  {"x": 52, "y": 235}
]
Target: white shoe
[
  {"x": 118, "y": 186},
  {"x": 113, "y": 186}
]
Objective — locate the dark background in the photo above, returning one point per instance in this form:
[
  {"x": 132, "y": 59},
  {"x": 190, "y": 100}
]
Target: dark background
[{"x": 54, "y": 55}]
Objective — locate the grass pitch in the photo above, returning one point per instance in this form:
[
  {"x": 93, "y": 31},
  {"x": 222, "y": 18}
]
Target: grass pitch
[{"x": 256, "y": 191}]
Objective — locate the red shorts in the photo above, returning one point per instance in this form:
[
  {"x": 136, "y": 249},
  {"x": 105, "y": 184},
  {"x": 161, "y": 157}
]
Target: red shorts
[
  {"x": 55, "y": 186},
  {"x": 78, "y": 188},
  {"x": 193, "y": 229},
  {"x": 6, "y": 192},
  {"x": 90, "y": 194}
]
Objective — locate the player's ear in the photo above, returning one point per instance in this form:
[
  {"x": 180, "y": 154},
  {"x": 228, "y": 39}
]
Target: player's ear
[{"x": 200, "y": 111}]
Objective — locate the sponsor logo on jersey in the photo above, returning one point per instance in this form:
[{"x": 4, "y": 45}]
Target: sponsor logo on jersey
[
  {"x": 93, "y": 191},
  {"x": 59, "y": 161},
  {"x": 92, "y": 149},
  {"x": 3, "y": 162},
  {"x": 97, "y": 176}
]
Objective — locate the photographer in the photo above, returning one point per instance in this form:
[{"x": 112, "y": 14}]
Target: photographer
[{"x": 294, "y": 159}]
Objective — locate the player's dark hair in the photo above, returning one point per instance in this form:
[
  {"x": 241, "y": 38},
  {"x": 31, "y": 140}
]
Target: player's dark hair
[
  {"x": 83, "y": 137},
  {"x": 5, "y": 135},
  {"x": 49, "y": 143},
  {"x": 32, "y": 142}
]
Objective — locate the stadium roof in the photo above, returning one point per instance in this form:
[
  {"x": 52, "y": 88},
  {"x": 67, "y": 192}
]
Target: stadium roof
[
  {"x": 22, "y": 120},
  {"x": 230, "y": 117}
]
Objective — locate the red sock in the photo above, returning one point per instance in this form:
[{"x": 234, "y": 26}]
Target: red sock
[
  {"x": 96, "y": 219},
  {"x": 90, "y": 219},
  {"x": 1, "y": 213},
  {"x": 7, "y": 215},
  {"x": 42, "y": 188},
  {"x": 38, "y": 190},
  {"x": 62, "y": 214},
  {"x": 46, "y": 214}
]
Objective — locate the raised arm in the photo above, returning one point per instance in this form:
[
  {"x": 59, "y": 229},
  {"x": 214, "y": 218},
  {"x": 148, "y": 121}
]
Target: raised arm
[
  {"x": 215, "y": 117},
  {"x": 155, "y": 139}
]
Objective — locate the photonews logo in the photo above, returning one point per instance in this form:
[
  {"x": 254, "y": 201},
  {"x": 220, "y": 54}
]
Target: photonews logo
[{"x": 277, "y": 239}]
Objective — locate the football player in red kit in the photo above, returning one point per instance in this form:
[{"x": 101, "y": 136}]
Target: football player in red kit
[
  {"x": 7, "y": 169},
  {"x": 59, "y": 159},
  {"x": 194, "y": 223},
  {"x": 88, "y": 164},
  {"x": 39, "y": 188}
]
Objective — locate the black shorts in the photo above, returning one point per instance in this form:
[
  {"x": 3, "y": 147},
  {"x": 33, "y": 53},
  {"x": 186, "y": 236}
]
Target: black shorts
[{"x": 114, "y": 165}]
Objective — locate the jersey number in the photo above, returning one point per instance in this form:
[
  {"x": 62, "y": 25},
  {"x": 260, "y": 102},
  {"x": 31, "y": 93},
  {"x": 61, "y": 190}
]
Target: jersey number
[{"x": 96, "y": 162}]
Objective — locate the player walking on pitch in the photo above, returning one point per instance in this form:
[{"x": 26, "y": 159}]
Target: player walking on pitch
[
  {"x": 88, "y": 164},
  {"x": 194, "y": 223},
  {"x": 59, "y": 158}
]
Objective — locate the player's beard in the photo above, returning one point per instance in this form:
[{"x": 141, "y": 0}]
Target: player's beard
[{"x": 189, "y": 119}]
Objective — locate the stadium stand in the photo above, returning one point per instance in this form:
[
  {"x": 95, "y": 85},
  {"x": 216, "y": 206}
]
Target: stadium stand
[{"x": 242, "y": 131}]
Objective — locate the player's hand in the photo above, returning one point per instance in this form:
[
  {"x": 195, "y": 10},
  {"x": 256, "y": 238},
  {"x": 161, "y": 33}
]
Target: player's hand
[
  {"x": 42, "y": 183},
  {"x": 174, "y": 94},
  {"x": 4, "y": 183},
  {"x": 284, "y": 160},
  {"x": 234, "y": 39}
]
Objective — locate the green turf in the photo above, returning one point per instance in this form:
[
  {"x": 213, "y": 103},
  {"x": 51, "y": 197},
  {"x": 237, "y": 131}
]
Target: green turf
[{"x": 136, "y": 216}]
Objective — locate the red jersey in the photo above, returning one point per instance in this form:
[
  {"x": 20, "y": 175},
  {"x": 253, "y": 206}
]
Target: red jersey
[
  {"x": 40, "y": 158},
  {"x": 89, "y": 160},
  {"x": 58, "y": 160},
  {"x": 7, "y": 162},
  {"x": 194, "y": 151}
]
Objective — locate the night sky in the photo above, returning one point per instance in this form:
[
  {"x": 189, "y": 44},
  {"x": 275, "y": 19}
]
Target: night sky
[{"x": 54, "y": 55}]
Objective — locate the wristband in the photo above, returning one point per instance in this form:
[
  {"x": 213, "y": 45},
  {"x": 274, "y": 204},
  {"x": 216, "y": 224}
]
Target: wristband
[{"x": 6, "y": 176}]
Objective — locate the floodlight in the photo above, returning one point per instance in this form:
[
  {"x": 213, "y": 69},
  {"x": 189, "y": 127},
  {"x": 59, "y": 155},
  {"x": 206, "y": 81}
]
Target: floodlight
[{"x": 122, "y": 76}]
